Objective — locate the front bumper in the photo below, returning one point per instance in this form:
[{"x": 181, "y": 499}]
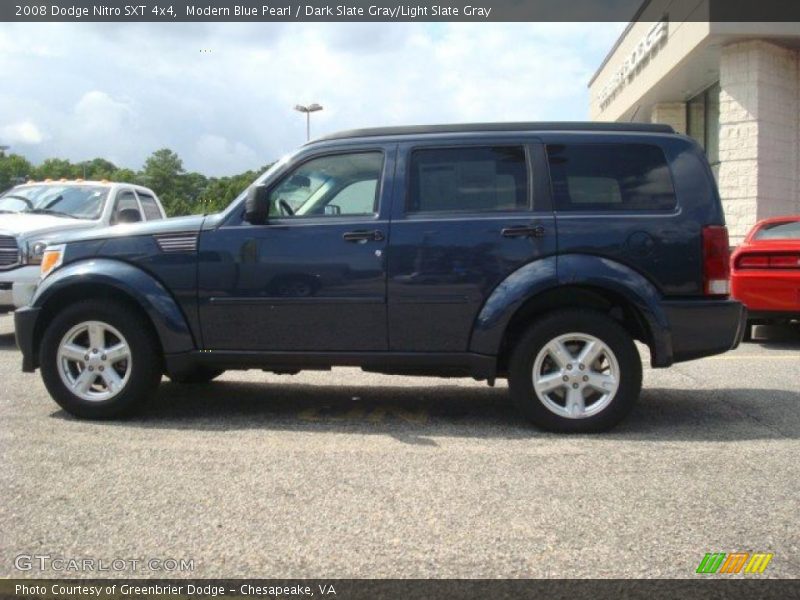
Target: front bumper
[
  {"x": 704, "y": 327},
  {"x": 18, "y": 286},
  {"x": 25, "y": 331}
]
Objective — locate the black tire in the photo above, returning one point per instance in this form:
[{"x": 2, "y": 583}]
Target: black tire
[
  {"x": 748, "y": 333},
  {"x": 196, "y": 375},
  {"x": 145, "y": 366},
  {"x": 562, "y": 322}
]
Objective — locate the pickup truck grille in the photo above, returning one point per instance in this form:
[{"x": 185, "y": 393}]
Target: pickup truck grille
[
  {"x": 9, "y": 252},
  {"x": 177, "y": 242}
]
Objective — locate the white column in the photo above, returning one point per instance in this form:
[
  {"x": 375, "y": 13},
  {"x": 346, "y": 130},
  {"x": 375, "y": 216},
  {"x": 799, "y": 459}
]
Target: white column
[{"x": 759, "y": 133}]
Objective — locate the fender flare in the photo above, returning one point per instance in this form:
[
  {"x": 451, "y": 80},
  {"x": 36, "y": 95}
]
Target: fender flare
[
  {"x": 142, "y": 288},
  {"x": 572, "y": 270}
]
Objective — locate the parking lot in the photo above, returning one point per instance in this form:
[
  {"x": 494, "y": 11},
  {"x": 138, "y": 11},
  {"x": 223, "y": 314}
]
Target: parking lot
[{"x": 346, "y": 474}]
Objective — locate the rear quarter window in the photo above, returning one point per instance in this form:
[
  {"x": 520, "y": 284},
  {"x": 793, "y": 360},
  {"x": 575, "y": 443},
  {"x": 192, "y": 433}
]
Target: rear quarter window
[{"x": 610, "y": 177}]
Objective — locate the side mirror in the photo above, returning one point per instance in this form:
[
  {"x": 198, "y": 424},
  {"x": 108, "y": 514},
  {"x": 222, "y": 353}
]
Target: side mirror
[
  {"x": 128, "y": 215},
  {"x": 256, "y": 205},
  {"x": 333, "y": 209}
]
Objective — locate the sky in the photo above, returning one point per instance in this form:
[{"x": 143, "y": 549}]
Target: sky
[{"x": 222, "y": 94}]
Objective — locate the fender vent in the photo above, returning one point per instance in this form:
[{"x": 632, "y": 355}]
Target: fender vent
[{"x": 177, "y": 242}]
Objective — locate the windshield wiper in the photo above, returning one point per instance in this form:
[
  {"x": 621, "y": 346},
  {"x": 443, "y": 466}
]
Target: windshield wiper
[{"x": 50, "y": 211}]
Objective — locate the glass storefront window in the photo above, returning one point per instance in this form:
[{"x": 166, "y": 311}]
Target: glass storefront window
[
  {"x": 696, "y": 119},
  {"x": 702, "y": 122},
  {"x": 712, "y": 124}
]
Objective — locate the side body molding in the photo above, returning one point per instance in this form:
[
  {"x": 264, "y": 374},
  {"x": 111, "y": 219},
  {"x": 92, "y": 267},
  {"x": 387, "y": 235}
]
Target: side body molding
[
  {"x": 572, "y": 270},
  {"x": 141, "y": 287}
]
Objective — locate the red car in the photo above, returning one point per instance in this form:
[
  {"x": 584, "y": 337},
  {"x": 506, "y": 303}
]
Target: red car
[{"x": 765, "y": 271}]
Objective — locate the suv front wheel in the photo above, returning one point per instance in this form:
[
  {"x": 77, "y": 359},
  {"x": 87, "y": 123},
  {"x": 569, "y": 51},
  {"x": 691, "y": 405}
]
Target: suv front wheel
[
  {"x": 575, "y": 371},
  {"x": 100, "y": 360}
]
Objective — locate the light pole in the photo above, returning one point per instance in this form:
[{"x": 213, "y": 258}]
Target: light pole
[{"x": 308, "y": 110}]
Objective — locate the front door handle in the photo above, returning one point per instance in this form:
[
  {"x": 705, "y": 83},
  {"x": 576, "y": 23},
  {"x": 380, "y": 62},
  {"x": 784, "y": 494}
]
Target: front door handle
[
  {"x": 363, "y": 236},
  {"x": 524, "y": 231}
]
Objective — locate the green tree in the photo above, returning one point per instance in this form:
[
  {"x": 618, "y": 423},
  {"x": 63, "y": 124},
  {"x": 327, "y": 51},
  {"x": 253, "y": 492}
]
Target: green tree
[
  {"x": 124, "y": 176},
  {"x": 56, "y": 168},
  {"x": 96, "y": 169},
  {"x": 221, "y": 191},
  {"x": 162, "y": 172},
  {"x": 14, "y": 169}
]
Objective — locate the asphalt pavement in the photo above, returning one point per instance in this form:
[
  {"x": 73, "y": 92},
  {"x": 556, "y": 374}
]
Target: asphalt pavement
[{"x": 346, "y": 474}]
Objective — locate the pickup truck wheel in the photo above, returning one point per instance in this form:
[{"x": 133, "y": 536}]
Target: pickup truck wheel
[
  {"x": 99, "y": 360},
  {"x": 196, "y": 375},
  {"x": 575, "y": 371}
]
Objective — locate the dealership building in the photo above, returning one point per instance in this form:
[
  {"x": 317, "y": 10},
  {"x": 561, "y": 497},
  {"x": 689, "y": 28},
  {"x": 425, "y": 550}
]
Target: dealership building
[{"x": 734, "y": 87}]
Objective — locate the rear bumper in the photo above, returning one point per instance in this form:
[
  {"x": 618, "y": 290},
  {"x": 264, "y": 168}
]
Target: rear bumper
[
  {"x": 25, "y": 330},
  {"x": 704, "y": 327},
  {"x": 763, "y": 291}
]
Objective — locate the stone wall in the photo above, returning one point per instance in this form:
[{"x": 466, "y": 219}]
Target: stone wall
[
  {"x": 759, "y": 133},
  {"x": 670, "y": 113}
]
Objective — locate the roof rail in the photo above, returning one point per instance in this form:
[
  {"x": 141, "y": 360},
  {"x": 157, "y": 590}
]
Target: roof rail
[{"x": 499, "y": 127}]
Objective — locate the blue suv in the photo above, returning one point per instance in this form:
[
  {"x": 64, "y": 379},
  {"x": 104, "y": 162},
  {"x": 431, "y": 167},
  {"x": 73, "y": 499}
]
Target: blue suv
[{"x": 536, "y": 252}]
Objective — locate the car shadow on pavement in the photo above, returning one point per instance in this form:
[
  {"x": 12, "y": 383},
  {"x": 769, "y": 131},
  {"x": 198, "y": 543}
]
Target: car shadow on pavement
[
  {"x": 7, "y": 340},
  {"x": 417, "y": 414},
  {"x": 777, "y": 337}
]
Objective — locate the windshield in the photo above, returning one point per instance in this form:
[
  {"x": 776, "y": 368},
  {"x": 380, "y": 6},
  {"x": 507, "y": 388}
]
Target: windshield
[
  {"x": 785, "y": 230},
  {"x": 77, "y": 201}
]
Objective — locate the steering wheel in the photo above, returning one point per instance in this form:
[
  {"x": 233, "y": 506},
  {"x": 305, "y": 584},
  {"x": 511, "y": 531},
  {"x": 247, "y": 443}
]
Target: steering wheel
[{"x": 285, "y": 208}]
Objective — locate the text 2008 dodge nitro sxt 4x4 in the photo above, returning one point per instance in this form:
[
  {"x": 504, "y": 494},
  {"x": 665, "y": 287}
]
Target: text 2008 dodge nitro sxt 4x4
[{"x": 534, "y": 252}]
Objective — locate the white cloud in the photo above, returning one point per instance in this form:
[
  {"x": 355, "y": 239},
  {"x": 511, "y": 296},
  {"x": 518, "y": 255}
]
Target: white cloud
[
  {"x": 98, "y": 112},
  {"x": 23, "y": 132},
  {"x": 227, "y": 156},
  {"x": 122, "y": 91}
]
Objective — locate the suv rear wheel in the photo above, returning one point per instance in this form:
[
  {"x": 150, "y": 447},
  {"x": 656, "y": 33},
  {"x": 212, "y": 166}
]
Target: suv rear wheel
[
  {"x": 575, "y": 371},
  {"x": 99, "y": 360}
]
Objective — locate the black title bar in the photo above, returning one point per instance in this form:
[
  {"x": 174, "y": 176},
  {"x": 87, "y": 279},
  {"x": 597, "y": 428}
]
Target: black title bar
[{"x": 383, "y": 10}]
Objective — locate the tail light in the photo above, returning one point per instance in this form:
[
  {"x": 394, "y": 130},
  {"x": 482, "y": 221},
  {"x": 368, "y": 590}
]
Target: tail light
[
  {"x": 768, "y": 261},
  {"x": 716, "y": 261}
]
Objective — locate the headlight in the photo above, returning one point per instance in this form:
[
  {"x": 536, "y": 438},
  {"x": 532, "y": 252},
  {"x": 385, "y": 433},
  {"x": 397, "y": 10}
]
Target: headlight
[
  {"x": 35, "y": 252},
  {"x": 52, "y": 258}
]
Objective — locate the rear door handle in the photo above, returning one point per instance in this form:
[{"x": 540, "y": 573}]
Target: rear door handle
[
  {"x": 524, "y": 231},
  {"x": 363, "y": 236}
]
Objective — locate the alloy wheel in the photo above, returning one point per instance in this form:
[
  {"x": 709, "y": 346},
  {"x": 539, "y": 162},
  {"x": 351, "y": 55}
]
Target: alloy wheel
[{"x": 575, "y": 375}]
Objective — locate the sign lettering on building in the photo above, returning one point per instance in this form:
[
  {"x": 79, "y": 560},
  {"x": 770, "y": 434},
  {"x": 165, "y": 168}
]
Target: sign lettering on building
[{"x": 646, "y": 47}]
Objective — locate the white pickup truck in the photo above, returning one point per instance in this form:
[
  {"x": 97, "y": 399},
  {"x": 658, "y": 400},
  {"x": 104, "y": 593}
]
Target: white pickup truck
[{"x": 32, "y": 213}]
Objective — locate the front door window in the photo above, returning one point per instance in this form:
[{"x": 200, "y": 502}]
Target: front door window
[{"x": 335, "y": 185}]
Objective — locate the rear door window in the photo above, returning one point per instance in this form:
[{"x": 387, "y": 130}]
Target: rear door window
[
  {"x": 149, "y": 206},
  {"x": 126, "y": 201},
  {"x": 469, "y": 179},
  {"x": 610, "y": 177}
]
